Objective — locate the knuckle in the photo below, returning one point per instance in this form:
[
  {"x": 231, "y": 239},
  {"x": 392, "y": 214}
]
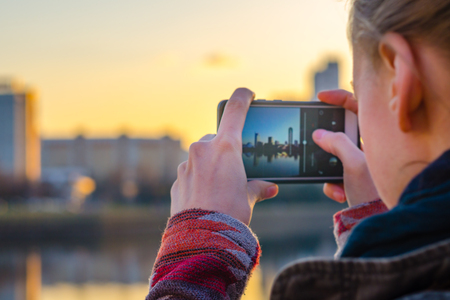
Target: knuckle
[
  {"x": 196, "y": 150},
  {"x": 181, "y": 169},
  {"x": 340, "y": 136},
  {"x": 227, "y": 144},
  {"x": 238, "y": 103},
  {"x": 349, "y": 96},
  {"x": 174, "y": 188},
  {"x": 361, "y": 164},
  {"x": 336, "y": 142},
  {"x": 358, "y": 165}
]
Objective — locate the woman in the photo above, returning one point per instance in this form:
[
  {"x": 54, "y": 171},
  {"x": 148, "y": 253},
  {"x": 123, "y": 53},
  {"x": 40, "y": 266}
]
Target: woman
[{"x": 400, "y": 248}]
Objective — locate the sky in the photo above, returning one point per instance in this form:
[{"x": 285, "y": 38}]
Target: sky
[
  {"x": 270, "y": 123},
  {"x": 155, "y": 67}
]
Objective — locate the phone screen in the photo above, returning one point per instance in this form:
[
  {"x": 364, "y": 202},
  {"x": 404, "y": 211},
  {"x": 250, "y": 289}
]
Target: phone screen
[{"x": 277, "y": 142}]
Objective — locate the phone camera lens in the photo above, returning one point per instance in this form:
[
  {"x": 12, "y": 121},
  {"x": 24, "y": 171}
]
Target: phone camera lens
[
  {"x": 333, "y": 161},
  {"x": 321, "y": 112}
]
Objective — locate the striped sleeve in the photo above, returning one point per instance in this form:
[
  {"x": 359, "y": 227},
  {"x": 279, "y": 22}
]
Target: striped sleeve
[
  {"x": 204, "y": 255},
  {"x": 346, "y": 219}
]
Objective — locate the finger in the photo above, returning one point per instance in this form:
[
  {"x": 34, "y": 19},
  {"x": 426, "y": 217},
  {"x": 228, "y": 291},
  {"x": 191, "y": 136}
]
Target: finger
[
  {"x": 174, "y": 189},
  {"x": 260, "y": 190},
  {"x": 339, "y": 144},
  {"x": 181, "y": 168},
  {"x": 335, "y": 192},
  {"x": 233, "y": 117},
  {"x": 340, "y": 98},
  {"x": 207, "y": 138}
]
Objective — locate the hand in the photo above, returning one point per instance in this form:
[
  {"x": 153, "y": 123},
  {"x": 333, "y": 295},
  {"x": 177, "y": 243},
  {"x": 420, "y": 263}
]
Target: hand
[
  {"x": 358, "y": 186},
  {"x": 214, "y": 177}
]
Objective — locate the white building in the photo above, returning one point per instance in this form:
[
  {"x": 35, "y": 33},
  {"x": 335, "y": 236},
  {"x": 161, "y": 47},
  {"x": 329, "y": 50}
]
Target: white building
[
  {"x": 152, "y": 160},
  {"x": 327, "y": 79},
  {"x": 19, "y": 137}
]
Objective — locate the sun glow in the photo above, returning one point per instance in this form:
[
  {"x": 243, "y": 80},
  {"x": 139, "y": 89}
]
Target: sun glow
[{"x": 152, "y": 68}]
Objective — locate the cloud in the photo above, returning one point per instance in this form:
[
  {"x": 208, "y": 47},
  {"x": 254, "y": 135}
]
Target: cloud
[{"x": 218, "y": 60}]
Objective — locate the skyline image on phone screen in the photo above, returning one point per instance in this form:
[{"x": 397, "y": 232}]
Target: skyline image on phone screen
[{"x": 277, "y": 142}]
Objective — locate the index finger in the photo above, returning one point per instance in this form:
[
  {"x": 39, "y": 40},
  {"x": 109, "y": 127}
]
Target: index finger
[
  {"x": 340, "y": 98},
  {"x": 233, "y": 118}
]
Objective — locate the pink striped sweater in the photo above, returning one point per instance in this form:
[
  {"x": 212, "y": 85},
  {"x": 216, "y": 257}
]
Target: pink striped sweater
[{"x": 210, "y": 255}]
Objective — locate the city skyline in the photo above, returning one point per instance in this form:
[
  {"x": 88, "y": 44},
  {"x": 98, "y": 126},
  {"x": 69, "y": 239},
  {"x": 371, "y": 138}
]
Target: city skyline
[
  {"x": 158, "y": 67},
  {"x": 149, "y": 160},
  {"x": 266, "y": 123}
]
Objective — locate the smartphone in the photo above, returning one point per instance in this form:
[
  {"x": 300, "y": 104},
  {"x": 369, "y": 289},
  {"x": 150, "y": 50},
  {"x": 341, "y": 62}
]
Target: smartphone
[{"x": 277, "y": 142}]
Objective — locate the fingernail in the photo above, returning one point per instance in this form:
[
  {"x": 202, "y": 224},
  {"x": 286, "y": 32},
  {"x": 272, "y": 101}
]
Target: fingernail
[
  {"x": 271, "y": 191},
  {"x": 338, "y": 197},
  {"x": 319, "y": 133}
]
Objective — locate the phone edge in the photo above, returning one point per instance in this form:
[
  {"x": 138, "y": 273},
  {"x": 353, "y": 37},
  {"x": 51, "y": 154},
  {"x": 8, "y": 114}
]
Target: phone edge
[{"x": 337, "y": 179}]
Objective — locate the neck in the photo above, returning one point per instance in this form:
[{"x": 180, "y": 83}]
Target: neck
[
  {"x": 405, "y": 176},
  {"x": 418, "y": 156}
]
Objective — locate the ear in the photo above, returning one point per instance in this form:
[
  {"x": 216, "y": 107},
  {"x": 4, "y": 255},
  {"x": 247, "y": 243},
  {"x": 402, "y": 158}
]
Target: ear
[{"x": 406, "y": 88}]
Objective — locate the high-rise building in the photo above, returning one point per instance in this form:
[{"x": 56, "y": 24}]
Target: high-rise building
[
  {"x": 290, "y": 138},
  {"x": 19, "y": 137},
  {"x": 327, "y": 79},
  {"x": 256, "y": 139}
]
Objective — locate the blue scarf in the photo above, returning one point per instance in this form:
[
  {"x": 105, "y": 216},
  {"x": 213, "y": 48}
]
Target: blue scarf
[{"x": 421, "y": 218}]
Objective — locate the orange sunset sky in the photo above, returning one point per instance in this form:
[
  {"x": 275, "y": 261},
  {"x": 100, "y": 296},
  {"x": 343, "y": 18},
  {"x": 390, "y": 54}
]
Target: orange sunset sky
[{"x": 150, "y": 67}]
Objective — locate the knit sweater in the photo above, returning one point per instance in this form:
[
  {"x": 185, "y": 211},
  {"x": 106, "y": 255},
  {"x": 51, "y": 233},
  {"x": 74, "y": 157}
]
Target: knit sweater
[
  {"x": 204, "y": 255},
  {"x": 210, "y": 255},
  {"x": 346, "y": 219}
]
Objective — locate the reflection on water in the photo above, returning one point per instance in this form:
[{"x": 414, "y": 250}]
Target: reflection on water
[
  {"x": 95, "y": 291},
  {"x": 119, "y": 269},
  {"x": 120, "y": 291},
  {"x": 85, "y": 274},
  {"x": 276, "y": 165},
  {"x": 33, "y": 276},
  {"x": 255, "y": 287}
]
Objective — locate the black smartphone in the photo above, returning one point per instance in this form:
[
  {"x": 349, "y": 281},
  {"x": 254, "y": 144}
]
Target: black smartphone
[{"x": 277, "y": 142}]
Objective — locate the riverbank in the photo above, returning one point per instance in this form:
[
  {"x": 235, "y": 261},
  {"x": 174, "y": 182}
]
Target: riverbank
[{"x": 119, "y": 223}]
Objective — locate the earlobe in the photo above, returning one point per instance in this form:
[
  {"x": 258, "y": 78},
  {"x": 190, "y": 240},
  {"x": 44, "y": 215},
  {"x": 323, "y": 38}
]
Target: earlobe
[
  {"x": 393, "y": 105},
  {"x": 409, "y": 93},
  {"x": 396, "y": 107}
]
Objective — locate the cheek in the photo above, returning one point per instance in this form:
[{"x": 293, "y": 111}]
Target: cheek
[
  {"x": 377, "y": 127},
  {"x": 369, "y": 126},
  {"x": 373, "y": 133},
  {"x": 377, "y": 132}
]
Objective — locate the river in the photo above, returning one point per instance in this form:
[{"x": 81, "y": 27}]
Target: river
[{"x": 118, "y": 268}]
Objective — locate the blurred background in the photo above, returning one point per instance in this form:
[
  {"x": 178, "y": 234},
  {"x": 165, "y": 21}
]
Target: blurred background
[{"x": 99, "y": 102}]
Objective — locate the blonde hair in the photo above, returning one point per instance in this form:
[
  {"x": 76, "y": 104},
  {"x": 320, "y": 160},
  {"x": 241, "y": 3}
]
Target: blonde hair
[{"x": 416, "y": 20}]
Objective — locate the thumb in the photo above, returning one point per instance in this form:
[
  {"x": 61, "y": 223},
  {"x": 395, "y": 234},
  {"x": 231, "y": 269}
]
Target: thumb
[
  {"x": 260, "y": 190},
  {"x": 337, "y": 143}
]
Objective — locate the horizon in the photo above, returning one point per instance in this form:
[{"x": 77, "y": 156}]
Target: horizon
[{"x": 151, "y": 69}]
